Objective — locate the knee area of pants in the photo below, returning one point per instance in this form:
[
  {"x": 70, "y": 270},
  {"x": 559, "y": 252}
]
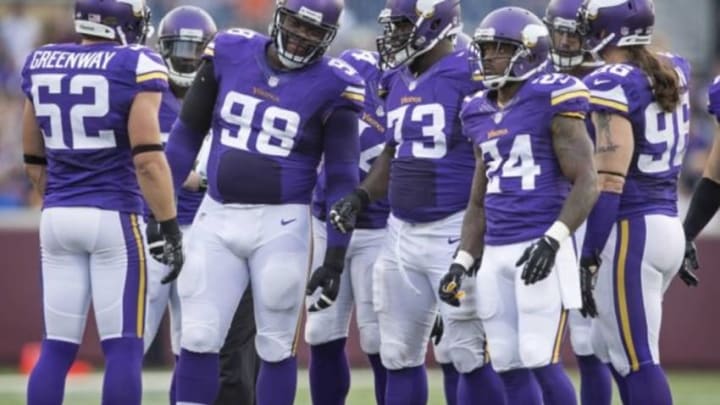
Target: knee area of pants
[
  {"x": 396, "y": 356},
  {"x": 370, "y": 339},
  {"x": 284, "y": 296},
  {"x": 201, "y": 339},
  {"x": 534, "y": 355},
  {"x": 317, "y": 333},
  {"x": 272, "y": 349},
  {"x": 466, "y": 360}
]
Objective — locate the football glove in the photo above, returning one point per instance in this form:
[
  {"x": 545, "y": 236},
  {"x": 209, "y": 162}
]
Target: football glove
[
  {"x": 173, "y": 255},
  {"x": 538, "y": 259},
  {"x": 450, "y": 284},
  {"x": 327, "y": 278},
  {"x": 155, "y": 241},
  {"x": 588, "y": 277},
  {"x": 344, "y": 212},
  {"x": 690, "y": 265},
  {"x": 437, "y": 330}
]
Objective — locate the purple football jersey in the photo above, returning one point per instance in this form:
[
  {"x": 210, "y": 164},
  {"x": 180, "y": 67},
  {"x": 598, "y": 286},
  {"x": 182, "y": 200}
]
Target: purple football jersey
[
  {"x": 525, "y": 185},
  {"x": 85, "y": 129},
  {"x": 372, "y": 140},
  {"x": 660, "y": 137},
  {"x": 432, "y": 171},
  {"x": 714, "y": 98},
  {"x": 187, "y": 201},
  {"x": 270, "y": 124}
]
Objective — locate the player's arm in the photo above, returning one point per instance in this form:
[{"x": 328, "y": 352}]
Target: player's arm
[
  {"x": 344, "y": 212},
  {"x": 187, "y": 134},
  {"x": 574, "y": 152},
  {"x": 342, "y": 154},
  {"x": 706, "y": 197},
  {"x": 472, "y": 238},
  {"x": 151, "y": 165},
  {"x": 614, "y": 146},
  {"x": 34, "y": 149}
]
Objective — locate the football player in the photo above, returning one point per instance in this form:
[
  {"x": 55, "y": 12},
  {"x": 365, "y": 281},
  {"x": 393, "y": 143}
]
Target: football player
[
  {"x": 326, "y": 331},
  {"x": 275, "y": 105},
  {"x": 425, "y": 168},
  {"x": 183, "y": 33},
  {"x": 534, "y": 184},
  {"x": 567, "y": 56},
  {"x": 93, "y": 149},
  {"x": 640, "y": 110}
]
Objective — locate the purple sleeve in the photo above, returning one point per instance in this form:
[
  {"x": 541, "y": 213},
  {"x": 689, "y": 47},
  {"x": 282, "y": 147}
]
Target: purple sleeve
[
  {"x": 600, "y": 222},
  {"x": 342, "y": 154},
  {"x": 714, "y": 98},
  {"x": 181, "y": 149}
]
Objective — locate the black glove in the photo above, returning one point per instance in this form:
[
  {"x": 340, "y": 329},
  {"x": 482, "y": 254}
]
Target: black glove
[
  {"x": 437, "y": 330},
  {"x": 344, "y": 212},
  {"x": 690, "y": 265},
  {"x": 539, "y": 259},
  {"x": 155, "y": 241},
  {"x": 450, "y": 284},
  {"x": 173, "y": 255},
  {"x": 588, "y": 276},
  {"x": 327, "y": 278}
]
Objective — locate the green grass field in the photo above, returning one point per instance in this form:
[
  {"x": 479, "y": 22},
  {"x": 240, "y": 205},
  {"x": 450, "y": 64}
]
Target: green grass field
[{"x": 689, "y": 388}]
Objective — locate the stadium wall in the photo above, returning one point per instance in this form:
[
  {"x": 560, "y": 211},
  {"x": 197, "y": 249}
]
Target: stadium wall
[{"x": 691, "y": 326}]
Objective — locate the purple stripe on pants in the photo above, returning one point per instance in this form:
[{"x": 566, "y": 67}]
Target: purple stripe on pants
[{"x": 134, "y": 291}]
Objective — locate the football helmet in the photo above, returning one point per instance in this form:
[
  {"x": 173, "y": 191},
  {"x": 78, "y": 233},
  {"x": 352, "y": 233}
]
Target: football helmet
[
  {"x": 615, "y": 22},
  {"x": 124, "y": 21},
  {"x": 520, "y": 29},
  {"x": 413, "y": 27},
  {"x": 302, "y": 30},
  {"x": 561, "y": 19},
  {"x": 182, "y": 36}
]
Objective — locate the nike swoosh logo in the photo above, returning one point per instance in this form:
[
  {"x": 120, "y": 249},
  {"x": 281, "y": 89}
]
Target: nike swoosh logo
[
  {"x": 452, "y": 241},
  {"x": 287, "y": 222},
  {"x": 599, "y": 82}
]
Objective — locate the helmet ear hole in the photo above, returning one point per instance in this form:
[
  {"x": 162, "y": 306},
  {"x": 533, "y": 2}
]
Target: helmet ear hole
[{"x": 435, "y": 24}]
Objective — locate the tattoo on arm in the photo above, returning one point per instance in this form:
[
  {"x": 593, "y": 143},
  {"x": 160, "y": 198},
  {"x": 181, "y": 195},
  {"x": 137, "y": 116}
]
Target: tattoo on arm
[{"x": 602, "y": 123}]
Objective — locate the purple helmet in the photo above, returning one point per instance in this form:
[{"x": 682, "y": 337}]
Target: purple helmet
[
  {"x": 183, "y": 34},
  {"x": 562, "y": 18},
  {"x": 430, "y": 22},
  {"x": 303, "y": 29},
  {"x": 616, "y": 23},
  {"x": 124, "y": 21},
  {"x": 523, "y": 30}
]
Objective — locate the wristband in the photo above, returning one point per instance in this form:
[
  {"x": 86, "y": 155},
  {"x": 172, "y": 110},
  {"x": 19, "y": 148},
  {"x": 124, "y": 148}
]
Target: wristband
[
  {"x": 558, "y": 231},
  {"x": 170, "y": 226},
  {"x": 464, "y": 259}
]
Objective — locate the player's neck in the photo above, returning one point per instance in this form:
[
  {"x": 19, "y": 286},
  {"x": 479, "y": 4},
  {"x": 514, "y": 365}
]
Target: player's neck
[
  {"x": 615, "y": 55},
  {"x": 425, "y": 61},
  {"x": 507, "y": 92}
]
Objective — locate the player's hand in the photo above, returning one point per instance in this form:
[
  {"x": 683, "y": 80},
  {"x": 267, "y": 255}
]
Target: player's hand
[
  {"x": 538, "y": 259},
  {"x": 588, "y": 277},
  {"x": 327, "y": 278},
  {"x": 155, "y": 241},
  {"x": 437, "y": 330},
  {"x": 173, "y": 255},
  {"x": 450, "y": 284},
  {"x": 344, "y": 212},
  {"x": 690, "y": 265}
]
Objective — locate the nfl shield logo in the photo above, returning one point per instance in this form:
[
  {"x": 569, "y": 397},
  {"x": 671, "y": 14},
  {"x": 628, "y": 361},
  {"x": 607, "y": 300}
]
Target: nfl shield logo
[
  {"x": 412, "y": 86},
  {"x": 498, "y": 117},
  {"x": 273, "y": 81},
  {"x": 380, "y": 112}
]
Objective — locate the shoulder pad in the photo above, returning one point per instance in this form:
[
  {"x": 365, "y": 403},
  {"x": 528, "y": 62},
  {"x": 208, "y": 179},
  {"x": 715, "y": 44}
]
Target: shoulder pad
[
  {"x": 345, "y": 72},
  {"x": 559, "y": 87},
  {"x": 230, "y": 38}
]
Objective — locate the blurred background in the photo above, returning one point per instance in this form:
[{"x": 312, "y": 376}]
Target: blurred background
[{"x": 688, "y": 28}]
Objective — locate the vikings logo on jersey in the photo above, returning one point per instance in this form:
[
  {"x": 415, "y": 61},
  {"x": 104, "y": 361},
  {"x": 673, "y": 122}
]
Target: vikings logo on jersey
[
  {"x": 372, "y": 138},
  {"x": 77, "y": 91},
  {"x": 260, "y": 125},
  {"x": 431, "y": 174},
  {"x": 660, "y": 136},
  {"x": 516, "y": 143}
]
